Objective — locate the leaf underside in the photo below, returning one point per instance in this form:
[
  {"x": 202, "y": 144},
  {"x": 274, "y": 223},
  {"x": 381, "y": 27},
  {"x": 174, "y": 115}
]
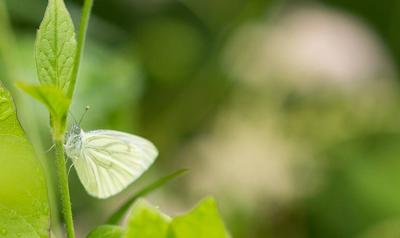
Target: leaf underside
[{"x": 53, "y": 98}]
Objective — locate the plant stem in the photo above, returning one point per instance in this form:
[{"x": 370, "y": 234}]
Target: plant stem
[
  {"x": 64, "y": 188},
  {"x": 87, "y": 8},
  {"x": 58, "y": 132},
  {"x": 6, "y": 48}
]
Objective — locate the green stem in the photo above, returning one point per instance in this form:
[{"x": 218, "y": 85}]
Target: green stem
[
  {"x": 64, "y": 189},
  {"x": 87, "y": 8},
  {"x": 7, "y": 48},
  {"x": 58, "y": 132}
]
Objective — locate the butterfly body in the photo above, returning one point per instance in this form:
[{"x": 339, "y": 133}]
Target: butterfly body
[
  {"x": 108, "y": 161},
  {"x": 73, "y": 143}
]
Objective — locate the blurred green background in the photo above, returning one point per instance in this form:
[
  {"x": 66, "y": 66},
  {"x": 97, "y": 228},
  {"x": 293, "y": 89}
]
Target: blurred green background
[{"x": 286, "y": 111}]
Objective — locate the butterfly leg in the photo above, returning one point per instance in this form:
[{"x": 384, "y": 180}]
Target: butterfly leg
[
  {"x": 50, "y": 149},
  {"x": 70, "y": 167}
]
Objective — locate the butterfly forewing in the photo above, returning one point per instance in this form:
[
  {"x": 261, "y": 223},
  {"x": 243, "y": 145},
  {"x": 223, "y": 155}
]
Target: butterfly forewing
[{"x": 111, "y": 160}]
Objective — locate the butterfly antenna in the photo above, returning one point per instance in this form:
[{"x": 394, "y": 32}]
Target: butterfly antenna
[
  {"x": 83, "y": 115},
  {"x": 73, "y": 117}
]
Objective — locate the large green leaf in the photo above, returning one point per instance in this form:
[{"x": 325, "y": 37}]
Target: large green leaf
[
  {"x": 202, "y": 222},
  {"x": 56, "y": 46},
  {"x": 147, "y": 221},
  {"x": 24, "y": 208}
]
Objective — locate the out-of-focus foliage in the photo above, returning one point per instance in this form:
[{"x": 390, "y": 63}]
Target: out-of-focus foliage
[
  {"x": 119, "y": 214},
  {"x": 360, "y": 186},
  {"x": 24, "y": 208},
  {"x": 113, "y": 93}
]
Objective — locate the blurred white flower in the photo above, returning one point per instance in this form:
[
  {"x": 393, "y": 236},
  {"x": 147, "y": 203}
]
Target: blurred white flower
[
  {"x": 248, "y": 161},
  {"x": 308, "y": 46}
]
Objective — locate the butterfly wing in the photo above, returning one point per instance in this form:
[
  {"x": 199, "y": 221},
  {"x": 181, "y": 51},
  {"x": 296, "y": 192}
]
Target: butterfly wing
[{"x": 111, "y": 160}]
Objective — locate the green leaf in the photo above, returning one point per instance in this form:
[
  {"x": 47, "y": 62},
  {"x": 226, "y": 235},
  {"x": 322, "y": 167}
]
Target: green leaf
[
  {"x": 119, "y": 214},
  {"x": 147, "y": 221},
  {"x": 202, "y": 222},
  {"x": 55, "y": 48},
  {"x": 107, "y": 231},
  {"x": 24, "y": 207},
  {"x": 53, "y": 98}
]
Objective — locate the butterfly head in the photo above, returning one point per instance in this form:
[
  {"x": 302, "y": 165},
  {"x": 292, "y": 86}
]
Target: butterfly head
[{"x": 73, "y": 141}]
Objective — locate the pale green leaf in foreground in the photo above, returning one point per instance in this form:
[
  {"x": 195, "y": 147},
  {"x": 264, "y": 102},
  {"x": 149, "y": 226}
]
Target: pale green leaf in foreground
[
  {"x": 55, "y": 48},
  {"x": 107, "y": 231},
  {"x": 146, "y": 221},
  {"x": 24, "y": 208},
  {"x": 53, "y": 98},
  {"x": 204, "y": 221}
]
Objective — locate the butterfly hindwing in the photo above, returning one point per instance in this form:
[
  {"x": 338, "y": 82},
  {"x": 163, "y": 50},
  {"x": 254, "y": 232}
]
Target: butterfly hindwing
[{"x": 111, "y": 160}]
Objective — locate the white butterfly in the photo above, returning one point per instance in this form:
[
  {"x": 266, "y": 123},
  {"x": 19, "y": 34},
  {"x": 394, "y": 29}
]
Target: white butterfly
[{"x": 108, "y": 161}]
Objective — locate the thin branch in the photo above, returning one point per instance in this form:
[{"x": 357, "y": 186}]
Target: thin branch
[{"x": 87, "y": 9}]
